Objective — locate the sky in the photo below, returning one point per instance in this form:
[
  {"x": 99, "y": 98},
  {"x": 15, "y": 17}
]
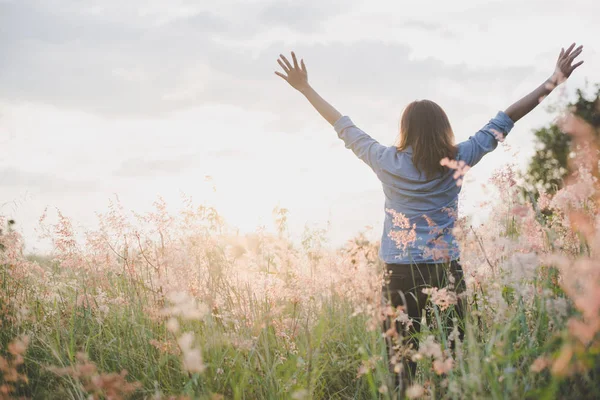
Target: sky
[{"x": 140, "y": 99}]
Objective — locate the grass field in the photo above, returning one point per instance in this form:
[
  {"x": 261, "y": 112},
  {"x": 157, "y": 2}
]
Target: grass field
[{"x": 178, "y": 306}]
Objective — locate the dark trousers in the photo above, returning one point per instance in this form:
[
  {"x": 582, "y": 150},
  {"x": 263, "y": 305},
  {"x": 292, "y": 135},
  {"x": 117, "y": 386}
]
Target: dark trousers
[{"x": 403, "y": 287}]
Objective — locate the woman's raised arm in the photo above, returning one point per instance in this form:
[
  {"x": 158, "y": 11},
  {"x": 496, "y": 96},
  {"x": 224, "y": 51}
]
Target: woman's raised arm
[
  {"x": 297, "y": 76},
  {"x": 564, "y": 69},
  {"x": 364, "y": 146}
]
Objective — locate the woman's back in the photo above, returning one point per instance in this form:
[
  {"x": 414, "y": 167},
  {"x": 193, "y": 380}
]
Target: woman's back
[{"x": 420, "y": 210}]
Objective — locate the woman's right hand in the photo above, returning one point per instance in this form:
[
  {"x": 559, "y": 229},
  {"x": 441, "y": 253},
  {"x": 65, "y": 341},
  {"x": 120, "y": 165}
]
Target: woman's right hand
[{"x": 296, "y": 75}]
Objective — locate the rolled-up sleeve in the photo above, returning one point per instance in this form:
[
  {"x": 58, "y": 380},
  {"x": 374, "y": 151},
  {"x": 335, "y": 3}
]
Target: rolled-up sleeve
[
  {"x": 485, "y": 140},
  {"x": 364, "y": 146}
]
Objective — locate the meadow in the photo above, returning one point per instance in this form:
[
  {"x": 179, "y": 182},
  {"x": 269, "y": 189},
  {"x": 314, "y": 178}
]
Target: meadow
[{"x": 180, "y": 306}]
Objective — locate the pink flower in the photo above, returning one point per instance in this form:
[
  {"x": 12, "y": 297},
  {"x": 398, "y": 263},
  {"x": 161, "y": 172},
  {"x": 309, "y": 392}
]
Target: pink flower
[
  {"x": 415, "y": 391},
  {"x": 407, "y": 233},
  {"x": 540, "y": 364},
  {"x": 460, "y": 167},
  {"x": 443, "y": 298},
  {"x": 560, "y": 367},
  {"x": 585, "y": 332},
  {"x": 443, "y": 367},
  {"x": 498, "y": 135},
  {"x": 192, "y": 357}
]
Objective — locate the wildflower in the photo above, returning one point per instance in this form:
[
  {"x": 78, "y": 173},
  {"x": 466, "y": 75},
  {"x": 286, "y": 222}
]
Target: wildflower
[
  {"x": 173, "y": 325},
  {"x": 539, "y": 364},
  {"x": 415, "y": 391},
  {"x": 367, "y": 366},
  {"x": 498, "y": 135},
  {"x": 18, "y": 346},
  {"x": 442, "y": 298},
  {"x": 443, "y": 366},
  {"x": 391, "y": 332},
  {"x": 96, "y": 384},
  {"x": 10, "y": 365},
  {"x": 430, "y": 348},
  {"x": 192, "y": 357},
  {"x": 362, "y": 370},
  {"x": 300, "y": 394},
  {"x": 560, "y": 367},
  {"x": 582, "y": 331},
  {"x": 407, "y": 233},
  {"x": 403, "y": 318},
  {"x": 165, "y": 347},
  {"x": 185, "y": 306},
  {"x": 460, "y": 167}
]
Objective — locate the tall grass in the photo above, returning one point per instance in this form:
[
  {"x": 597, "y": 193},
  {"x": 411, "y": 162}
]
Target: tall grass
[{"x": 179, "y": 306}]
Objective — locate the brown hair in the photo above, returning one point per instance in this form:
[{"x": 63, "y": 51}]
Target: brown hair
[{"x": 425, "y": 127}]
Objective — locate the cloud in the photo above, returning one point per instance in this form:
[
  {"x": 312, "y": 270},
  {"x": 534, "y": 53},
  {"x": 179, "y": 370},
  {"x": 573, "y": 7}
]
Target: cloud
[
  {"x": 94, "y": 62},
  {"x": 229, "y": 153},
  {"x": 140, "y": 167},
  {"x": 306, "y": 17},
  {"x": 11, "y": 177},
  {"x": 143, "y": 167},
  {"x": 429, "y": 26}
]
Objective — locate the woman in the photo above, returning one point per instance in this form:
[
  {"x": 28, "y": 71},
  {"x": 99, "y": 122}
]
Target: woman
[{"x": 421, "y": 194}]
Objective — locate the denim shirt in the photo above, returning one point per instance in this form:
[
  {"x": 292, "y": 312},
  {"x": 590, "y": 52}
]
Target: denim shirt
[{"x": 425, "y": 209}]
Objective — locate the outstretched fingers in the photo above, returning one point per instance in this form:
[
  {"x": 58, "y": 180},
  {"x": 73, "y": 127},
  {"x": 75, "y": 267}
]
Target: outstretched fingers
[
  {"x": 564, "y": 64},
  {"x": 294, "y": 74},
  {"x": 284, "y": 77},
  {"x": 285, "y": 60},
  {"x": 295, "y": 61},
  {"x": 575, "y": 54},
  {"x": 576, "y": 65},
  {"x": 568, "y": 51},
  {"x": 283, "y": 66}
]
